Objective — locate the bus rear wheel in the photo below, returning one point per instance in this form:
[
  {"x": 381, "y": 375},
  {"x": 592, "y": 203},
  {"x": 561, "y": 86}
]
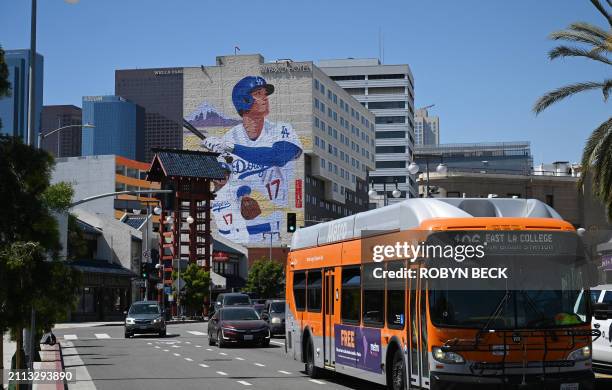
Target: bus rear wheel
[
  {"x": 311, "y": 369},
  {"x": 398, "y": 373}
]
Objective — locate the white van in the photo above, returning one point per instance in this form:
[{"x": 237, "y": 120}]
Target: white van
[{"x": 602, "y": 347}]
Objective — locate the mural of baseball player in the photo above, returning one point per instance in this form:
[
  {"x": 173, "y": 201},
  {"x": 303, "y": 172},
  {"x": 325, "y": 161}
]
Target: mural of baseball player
[
  {"x": 262, "y": 154},
  {"x": 230, "y": 224}
]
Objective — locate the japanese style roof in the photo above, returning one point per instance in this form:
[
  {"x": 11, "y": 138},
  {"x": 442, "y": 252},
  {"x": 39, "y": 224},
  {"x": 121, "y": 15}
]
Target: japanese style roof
[
  {"x": 410, "y": 213},
  {"x": 100, "y": 267},
  {"x": 184, "y": 163},
  {"x": 87, "y": 228}
]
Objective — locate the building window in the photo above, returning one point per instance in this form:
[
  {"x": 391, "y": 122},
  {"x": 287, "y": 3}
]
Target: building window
[
  {"x": 387, "y": 120},
  {"x": 386, "y": 105},
  {"x": 322, "y": 88},
  {"x": 322, "y": 105},
  {"x": 316, "y": 103},
  {"x": 385, "y": 76},
  {"x": 391, "y": 149},
  {"x": 322, "y": 143},
  {"x": 316, "y": 140},
  {"x": 348, "y": 78},
  {"x": 316, "y": 122},
  {"x": 335, "y": 99},
  {"x": 316, "y": 84},
  {"x": 390, "y": 134},
  {"x": 335, "y": 116},
  {"x": 323, "y": 163},
  {"x": 390, "y": 164}
]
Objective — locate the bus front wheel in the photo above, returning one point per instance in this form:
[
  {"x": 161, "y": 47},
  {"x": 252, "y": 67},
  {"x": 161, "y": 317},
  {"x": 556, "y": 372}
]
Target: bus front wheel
[
  {"x": 398, "y": 373},
  {"x": 311, "y": 369}
]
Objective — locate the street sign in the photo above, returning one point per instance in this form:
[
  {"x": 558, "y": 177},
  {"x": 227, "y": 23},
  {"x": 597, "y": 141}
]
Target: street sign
[
  {"x": 168, "y": 290},
  {"x": 159, "y": 286},
  {"x": 146, "y": 256},
  {"x": 170, "y": 298},
  {"x": 179, "y": 284},
  {"x": 139, "y": 283}
]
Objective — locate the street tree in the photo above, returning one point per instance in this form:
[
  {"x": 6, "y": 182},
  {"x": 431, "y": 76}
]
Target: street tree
[
  {"x": 197, "y": 285},
  {"x": 593, "y": 43},
  {"x": 32, "y": 275},
  {"x": 266, "y": 279}
]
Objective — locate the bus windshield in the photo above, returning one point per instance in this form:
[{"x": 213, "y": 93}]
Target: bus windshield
[
  {"x": 546, "y": 273},
  {"x": 504, "y": 309}
]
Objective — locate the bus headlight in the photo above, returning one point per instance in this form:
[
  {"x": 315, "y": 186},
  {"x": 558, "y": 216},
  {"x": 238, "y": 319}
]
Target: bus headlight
[
  {"x": 447, "y": 357},
  {"x": 583, "y": 353}
]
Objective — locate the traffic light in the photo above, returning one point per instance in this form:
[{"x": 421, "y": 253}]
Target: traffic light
[
  {"x": 143, "y": 270},
  {"x": 291, "y": 222}
]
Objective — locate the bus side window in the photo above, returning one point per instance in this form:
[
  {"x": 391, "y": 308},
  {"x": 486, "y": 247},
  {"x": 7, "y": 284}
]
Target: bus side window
[
  {"x": 396, "y": 297},
  {"x": 314, "y": 291},
  {"x": 373, "y": 296},
  {"x": 351, "y": 295},
  {"x": 299, "y": 290}
]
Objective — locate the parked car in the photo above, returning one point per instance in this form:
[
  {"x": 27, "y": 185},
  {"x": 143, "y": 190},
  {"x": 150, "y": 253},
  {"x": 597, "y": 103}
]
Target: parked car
[
  {"x": 145, "y": 317},
  {"x": 237, "y": 324},
  {"x": 232, "y": 299},
  {"x": 274, "y": 315},
  {"x": 602, "y": 347}
]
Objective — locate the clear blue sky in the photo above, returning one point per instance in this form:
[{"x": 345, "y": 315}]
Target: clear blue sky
[{"x": 483, "y": 63}]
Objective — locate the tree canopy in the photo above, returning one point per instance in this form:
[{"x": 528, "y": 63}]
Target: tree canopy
[{"x": 266, "y": 279}]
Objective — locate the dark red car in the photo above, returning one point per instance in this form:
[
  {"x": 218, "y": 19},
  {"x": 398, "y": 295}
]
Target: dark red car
[{"x": 237, "y": 324}]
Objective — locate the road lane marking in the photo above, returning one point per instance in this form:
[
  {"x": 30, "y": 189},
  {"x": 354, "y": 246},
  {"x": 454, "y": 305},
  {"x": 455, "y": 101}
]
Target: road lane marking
[
  {"x": 70, "y": 337},
  {"x": 187, "y": 342},
  {"x": 260, "y": 365},
  {"x": 157, "y": 346},
  {"x": 165, "y": 350},
  {"x": 316, "y": 381},
  {"x": 221, "y": 373},
  {"x": 284, "y": 372},
  {"x": 277, "y": 343},
  {"x": 198, "y": 346},
  {"x": 203, "y": 365},
  {"x": 239, "y": 358},
  {"x": 196, "y": 333},
  {"x": 102, "y": 336},
  {"x": 176, "y": 346},
  {"x": 222, "y": 353},
  {"x": 72, "y": 360},
  {"x": 244, "y": 383},
  {"x": 209, "y": 349},
  {"x": 176, "y": 354},
  {"x": 189, "y": 359}
]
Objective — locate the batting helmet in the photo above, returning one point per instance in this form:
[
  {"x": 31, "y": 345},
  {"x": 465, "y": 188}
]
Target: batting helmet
[{"x": 241, "y": 94}]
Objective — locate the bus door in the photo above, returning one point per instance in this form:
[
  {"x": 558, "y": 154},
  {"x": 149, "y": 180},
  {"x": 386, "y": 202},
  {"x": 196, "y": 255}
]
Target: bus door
[
  {"x": 328, "y": 314},
  {"x": 417, "y": 332}
]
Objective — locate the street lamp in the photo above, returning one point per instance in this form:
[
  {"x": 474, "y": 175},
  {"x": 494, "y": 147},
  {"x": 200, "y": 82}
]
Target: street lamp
[
  {"x": 413, "y": 168},
  {"x": 42, "y": 136},
  {"x": 442, "y": 169}
]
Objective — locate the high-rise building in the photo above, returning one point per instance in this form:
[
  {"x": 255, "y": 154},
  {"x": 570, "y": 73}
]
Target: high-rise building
[
  {"x": 388, "y": 92},
  {"x": 118, "y": 127},
  {"x": 310, "y": 156},
  {"x": 426, "y": 128},
  {"x": 14, "y": 109},
  {"x": 160, "y": 93},
  {"x": 66, "y": 142}
]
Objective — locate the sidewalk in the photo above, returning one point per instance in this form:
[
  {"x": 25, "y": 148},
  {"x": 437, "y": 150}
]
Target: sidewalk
[{"x": 8, "y": 351}]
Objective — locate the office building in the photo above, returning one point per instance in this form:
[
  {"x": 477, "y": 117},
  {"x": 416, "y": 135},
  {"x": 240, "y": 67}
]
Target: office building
[
  {"x": 118, "y": 129},
  {"x": 66, "y": 142},
  {"x": 488, "y": 157},
  {"x": 388, "y": 92},
  {"x": 426, "y": 128},
  {"x": 160, "y": 93},
  {"x": 316, "y": 152},
  {"x": 14, "y": 109}
]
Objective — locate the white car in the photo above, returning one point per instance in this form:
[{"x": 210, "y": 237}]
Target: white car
[{"x": 602, "y": 347}]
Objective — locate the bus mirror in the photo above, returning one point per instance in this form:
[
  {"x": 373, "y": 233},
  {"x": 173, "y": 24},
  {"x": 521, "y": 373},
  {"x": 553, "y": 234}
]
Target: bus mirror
[{"x": 602, "y": 311}]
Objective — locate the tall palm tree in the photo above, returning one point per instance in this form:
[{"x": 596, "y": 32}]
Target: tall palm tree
[{"x": 594, "y": 43}]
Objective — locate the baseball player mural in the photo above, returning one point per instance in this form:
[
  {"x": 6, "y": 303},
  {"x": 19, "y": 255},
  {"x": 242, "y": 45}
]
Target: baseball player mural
[{"x": 261, "y": 155}]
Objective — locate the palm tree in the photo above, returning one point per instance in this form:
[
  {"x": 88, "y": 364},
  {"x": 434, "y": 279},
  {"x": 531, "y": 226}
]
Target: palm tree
[{"x": 593, "y": 43}]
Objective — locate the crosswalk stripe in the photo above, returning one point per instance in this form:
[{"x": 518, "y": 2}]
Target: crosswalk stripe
[
  {"x": 102, "y": 336},
  {"x": 278, "y": 343},
  {"x": 284, "y": 372},
  {"x": 196, "y": 333},
  {"x": 317, "y": 382},
  {"x": 244, "y": 383},
  {"x": 221, "y": 373},
  {"x": 70, "y": 337},
  {"x": 203, "y": 365}
]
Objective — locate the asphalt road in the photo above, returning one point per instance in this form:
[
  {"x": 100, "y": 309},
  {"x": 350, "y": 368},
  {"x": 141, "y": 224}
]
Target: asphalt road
[
  {"x": 183, "y": 360},
  {"x": 104, "y": 360}
]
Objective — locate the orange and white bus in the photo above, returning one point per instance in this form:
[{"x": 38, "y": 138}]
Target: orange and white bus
[{"x": 417, "y": 332}]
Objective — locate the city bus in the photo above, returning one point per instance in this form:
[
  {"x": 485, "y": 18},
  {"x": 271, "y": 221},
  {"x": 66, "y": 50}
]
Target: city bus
[{"x": 419, "y": 332}]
